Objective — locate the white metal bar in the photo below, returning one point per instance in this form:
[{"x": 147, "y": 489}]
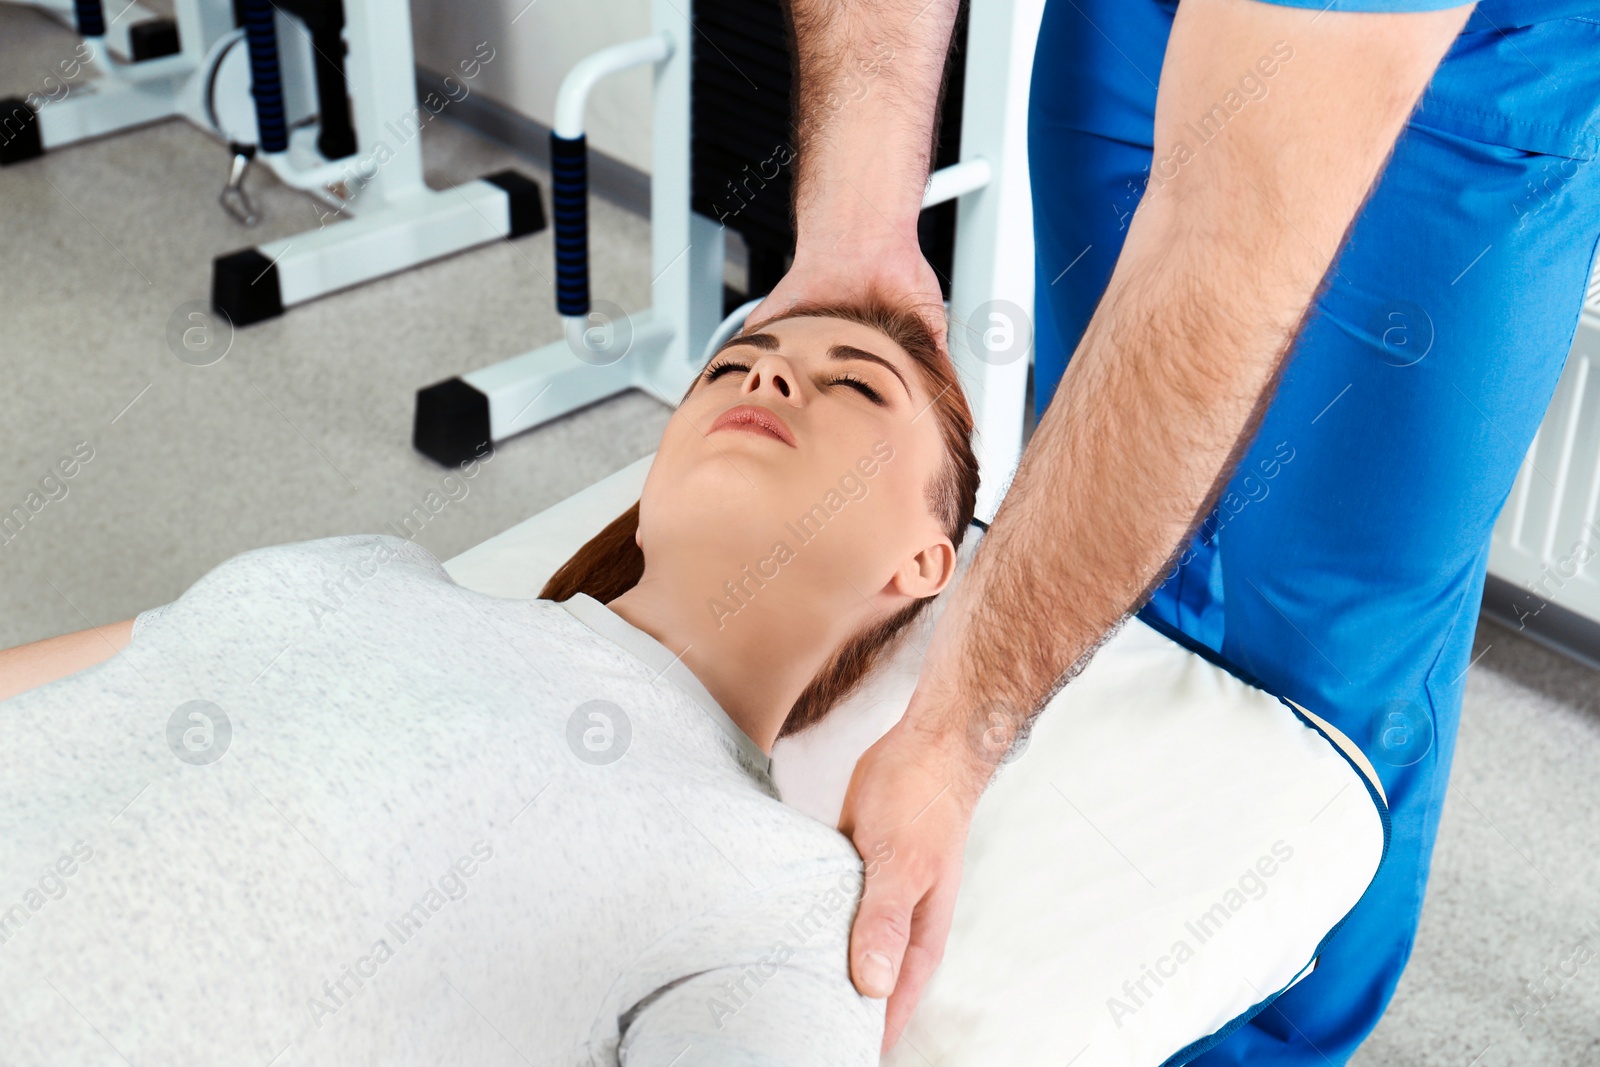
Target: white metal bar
[
  {"x": 114, "y": 104},
  {"x": 394, "y": 238},
  {"x": 993, "y": 273},
  {"x": 573, "y": 96},
  {"x": 958, "y": 179},
  {"x": 679, "y": 294},
  {"x": 381, "y": 68},
  {"x": 546, "y": 382},
  {"x": 122, "y": 96},
  {"x": 112, "y": 70},
  {"x": 201, "y": 23},
  {"x": 729, "y": 326},
  {"x": 121, "y": 16}
]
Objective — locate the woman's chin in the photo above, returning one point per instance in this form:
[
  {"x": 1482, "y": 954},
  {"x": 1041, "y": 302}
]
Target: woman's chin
[
  {"x": 739, "y": 463},
  {"x": 746, "y": 484}
]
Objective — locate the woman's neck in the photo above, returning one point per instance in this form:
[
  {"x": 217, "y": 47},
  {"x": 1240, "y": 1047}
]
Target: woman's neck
[{"x": 755, "y": 651}]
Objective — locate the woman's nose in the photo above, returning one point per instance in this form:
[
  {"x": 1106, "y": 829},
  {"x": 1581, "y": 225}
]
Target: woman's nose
[{"x": 771, "y": 372}]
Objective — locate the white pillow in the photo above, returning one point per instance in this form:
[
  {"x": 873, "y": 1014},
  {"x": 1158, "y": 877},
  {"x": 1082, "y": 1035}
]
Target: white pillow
[{"x": 1164, "y": 856}]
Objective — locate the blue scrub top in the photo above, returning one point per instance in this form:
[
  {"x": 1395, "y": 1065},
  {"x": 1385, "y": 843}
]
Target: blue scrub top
[
  {"x": 1350, "y": 578},
  {"x": 1481, "y": 89},
  {"x": 1490, "y": 15}
]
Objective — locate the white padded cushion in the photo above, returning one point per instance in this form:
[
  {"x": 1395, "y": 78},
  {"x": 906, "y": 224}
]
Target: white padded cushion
[{"x": 1166, "y": 853}]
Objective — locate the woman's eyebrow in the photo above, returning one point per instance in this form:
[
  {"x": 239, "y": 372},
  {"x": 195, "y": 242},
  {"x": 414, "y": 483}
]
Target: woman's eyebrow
[
  {"x": 769, "y": 343},
  {"x": 765, "y": 341}
]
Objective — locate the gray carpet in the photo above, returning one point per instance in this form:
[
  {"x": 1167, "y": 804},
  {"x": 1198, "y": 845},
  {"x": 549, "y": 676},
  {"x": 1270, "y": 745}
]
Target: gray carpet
[{"x": 303, "y": 430}]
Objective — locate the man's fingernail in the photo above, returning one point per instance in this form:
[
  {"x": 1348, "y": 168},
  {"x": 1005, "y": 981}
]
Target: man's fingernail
[{"x": 878, "y": 974}]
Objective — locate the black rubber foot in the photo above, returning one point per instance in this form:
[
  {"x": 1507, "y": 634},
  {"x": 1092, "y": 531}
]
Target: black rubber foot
[
  {"x": 527, "y": 208},
  {"x": 153, "y": 39},
  {"x": 337, "y": 143},
  {"x": 19, "y": 132},
  {"x": 244, "y": 287},
  {"x": 452, "y": 423}
]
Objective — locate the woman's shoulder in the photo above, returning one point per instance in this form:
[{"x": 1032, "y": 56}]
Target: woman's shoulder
[
  {"x": 345, "y": 557},
  {"x": 343, "y": 550},
  {"x": 792, "y": 845},
  {"x": 315, "y": 576}
]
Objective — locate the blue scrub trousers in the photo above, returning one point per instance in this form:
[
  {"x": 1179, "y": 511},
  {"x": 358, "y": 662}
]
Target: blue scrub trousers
[{"x": 1344, "y": 565}]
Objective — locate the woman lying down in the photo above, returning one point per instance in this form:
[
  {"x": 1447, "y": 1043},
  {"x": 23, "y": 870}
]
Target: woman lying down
[{"x": 433, "y": 826}]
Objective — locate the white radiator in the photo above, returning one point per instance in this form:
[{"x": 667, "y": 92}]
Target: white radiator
[{"x": 1544, "y": 557}]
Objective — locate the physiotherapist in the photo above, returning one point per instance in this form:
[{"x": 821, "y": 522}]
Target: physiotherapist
[{"x": 1306, "y": 279}]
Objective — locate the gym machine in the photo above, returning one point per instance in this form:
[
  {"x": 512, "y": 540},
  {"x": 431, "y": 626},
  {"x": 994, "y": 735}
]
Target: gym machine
[
  {"x": 322, "y": 93},
  {"x": 135, "y": 33},
  {"x": 719, "y": 161}
]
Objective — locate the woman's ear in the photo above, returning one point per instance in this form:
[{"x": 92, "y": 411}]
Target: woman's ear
[{"x": 927, "y": 572}]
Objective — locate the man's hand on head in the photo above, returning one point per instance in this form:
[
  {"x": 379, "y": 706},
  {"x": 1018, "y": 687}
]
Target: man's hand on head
[
  {"x": 894, "y": 270},
  {"x": 868, "y": 78}
]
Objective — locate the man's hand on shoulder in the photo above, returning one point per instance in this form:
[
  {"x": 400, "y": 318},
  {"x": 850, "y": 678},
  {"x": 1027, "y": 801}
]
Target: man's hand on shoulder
[{"x": 907, "y": 811}]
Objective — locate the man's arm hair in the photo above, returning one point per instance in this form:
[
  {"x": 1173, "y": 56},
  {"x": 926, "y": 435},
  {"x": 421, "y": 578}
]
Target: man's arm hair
[
  {"x": 869, "y": 76},
  {"x": 1169, "y": 383}
]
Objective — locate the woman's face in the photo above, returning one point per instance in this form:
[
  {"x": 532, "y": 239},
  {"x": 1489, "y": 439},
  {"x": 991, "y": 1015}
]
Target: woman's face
[{"x": 805, "y": 449}]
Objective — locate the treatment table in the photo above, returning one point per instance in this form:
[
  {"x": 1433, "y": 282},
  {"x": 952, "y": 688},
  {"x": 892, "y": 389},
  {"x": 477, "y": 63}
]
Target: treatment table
[{"x": 1163, "y": 856}]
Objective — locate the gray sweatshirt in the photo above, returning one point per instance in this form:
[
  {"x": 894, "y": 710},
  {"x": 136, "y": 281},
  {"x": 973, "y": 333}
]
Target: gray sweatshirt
[{"x": 329, "y": 807}]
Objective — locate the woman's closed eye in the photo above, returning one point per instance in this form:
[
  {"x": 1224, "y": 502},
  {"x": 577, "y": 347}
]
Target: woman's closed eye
[
  {"x": 719, "y": 367},
  {"x": 856, "y": 383}
]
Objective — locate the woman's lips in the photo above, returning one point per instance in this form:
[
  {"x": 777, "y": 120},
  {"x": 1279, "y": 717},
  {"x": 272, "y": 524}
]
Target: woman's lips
[{"x": 753, "y": 419}]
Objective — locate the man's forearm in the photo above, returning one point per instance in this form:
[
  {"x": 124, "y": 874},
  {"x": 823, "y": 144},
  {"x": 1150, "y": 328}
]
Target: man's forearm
[
  {"x": 1168, "y": 383},
  {"x": 1162, "y": 394},
  {"x": 869, "y": 76}
]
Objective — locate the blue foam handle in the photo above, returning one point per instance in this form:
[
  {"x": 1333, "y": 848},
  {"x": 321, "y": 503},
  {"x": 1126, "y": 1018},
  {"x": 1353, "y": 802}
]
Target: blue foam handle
[
  {"x": 569, "y": 195},
  {"x": 266, "y": 81}
]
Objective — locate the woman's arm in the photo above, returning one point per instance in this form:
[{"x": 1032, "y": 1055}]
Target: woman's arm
[{"x": 29, "y": 666}]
